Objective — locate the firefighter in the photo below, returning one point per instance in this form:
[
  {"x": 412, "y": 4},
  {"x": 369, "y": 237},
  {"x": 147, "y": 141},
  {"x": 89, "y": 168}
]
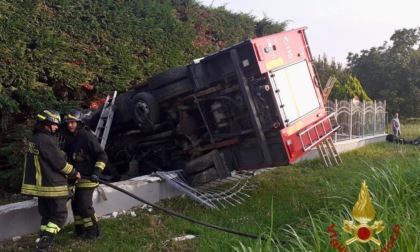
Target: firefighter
[
  {"x": 88, "y": 157},
  {"x": 45, "y": 176}
]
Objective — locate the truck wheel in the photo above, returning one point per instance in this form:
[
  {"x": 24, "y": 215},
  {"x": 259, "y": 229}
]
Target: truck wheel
[
  {"x": 169, "y": 76},
  {"x": 146, "y": 103},
  {"x": 203, "y": 177},
  {"x": 173, "y": 90},
  {"x": 199, "y": 164}
]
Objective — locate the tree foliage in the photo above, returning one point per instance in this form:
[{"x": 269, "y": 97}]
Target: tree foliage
[
  {"x": 391, "y": 72},
  {"x": 346, "y": 86}
]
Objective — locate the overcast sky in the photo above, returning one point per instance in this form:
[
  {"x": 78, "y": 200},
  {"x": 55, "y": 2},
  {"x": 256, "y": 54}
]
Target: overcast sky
[{"x": 335, "y": 27}]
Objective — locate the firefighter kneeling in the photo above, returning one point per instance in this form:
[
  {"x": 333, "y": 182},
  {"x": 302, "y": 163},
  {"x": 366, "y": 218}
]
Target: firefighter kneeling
[{"x": 88, "y": 157}]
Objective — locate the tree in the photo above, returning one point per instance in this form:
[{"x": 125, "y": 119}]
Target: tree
[
  {"x": 325, "y": 69},
  {"x": 391, "y": 72},
  {"x": 349, "y": 90},
  {"x": 351, "y": 87}
]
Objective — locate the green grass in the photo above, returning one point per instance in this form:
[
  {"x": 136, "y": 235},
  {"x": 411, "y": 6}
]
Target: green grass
[
  {"x": 409, "y": 131},
  {"x": 295, "y": 204}
]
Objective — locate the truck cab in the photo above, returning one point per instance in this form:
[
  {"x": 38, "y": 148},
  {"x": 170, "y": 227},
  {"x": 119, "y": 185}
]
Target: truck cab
[{"x": 252, "y": 105}]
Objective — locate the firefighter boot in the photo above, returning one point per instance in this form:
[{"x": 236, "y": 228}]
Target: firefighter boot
[
  {"x": 79, "y": 230},
  {"x": 45, "y": 242},
  {"x": 93, "y": 232},
  {"x": 41, "y": 233}
]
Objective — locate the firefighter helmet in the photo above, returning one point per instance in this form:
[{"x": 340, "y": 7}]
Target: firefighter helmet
[
  {"x": 49, "y": 116},
  {"x": 73, "y": 116}
]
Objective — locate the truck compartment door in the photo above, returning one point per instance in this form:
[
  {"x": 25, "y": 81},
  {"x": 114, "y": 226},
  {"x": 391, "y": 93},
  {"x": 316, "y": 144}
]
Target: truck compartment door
[{"x": 294, "y": 92}]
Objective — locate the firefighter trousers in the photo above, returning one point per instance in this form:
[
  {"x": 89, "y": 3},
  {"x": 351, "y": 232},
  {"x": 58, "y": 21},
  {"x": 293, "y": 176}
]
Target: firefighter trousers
[
  {"x": 84, "y": 213},
  {"x": 53, "y": 213}
]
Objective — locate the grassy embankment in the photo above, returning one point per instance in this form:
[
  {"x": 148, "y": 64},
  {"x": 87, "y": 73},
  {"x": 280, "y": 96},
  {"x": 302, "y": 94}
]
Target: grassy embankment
[{"x": 296, "y": 204}]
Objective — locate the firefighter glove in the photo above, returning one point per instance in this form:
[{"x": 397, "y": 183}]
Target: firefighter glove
[
  {"x": 73, "y": 175},
  {"x": 94, "y": 178}
]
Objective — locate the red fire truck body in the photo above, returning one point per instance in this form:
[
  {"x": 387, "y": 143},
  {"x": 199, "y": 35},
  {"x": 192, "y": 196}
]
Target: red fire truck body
[{"x": 255, "y": 104}]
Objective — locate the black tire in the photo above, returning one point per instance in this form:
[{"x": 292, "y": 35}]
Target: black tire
[
  {"x": 148, "y": 105},
  {"x": 199, "y": 164},
  {"x": 203, "y": 177},
  {"x": 173, "y": 90},
  {"x": 169, "y": 76}
]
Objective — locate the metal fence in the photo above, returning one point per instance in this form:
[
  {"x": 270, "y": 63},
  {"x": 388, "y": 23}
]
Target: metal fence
[{"x": 358, "y": 119}]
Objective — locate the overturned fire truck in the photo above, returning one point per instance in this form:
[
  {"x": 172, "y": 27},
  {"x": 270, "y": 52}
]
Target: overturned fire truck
[{"x": 255, "y": 104}]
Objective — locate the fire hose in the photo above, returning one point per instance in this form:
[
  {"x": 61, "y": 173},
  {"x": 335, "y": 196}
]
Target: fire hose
[{"x": 186, "y": 217}]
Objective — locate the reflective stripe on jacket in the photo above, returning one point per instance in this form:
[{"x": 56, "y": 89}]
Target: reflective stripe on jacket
[{"x": 45, "y": 168}]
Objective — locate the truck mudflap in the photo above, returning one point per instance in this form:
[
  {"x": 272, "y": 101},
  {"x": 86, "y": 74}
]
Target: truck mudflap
[{"x": 298, "y": 141}]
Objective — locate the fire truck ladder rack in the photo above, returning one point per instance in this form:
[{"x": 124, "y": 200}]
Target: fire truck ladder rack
[
  {"x": 216, "y": 194},
  {"x": 327, "y": 148},
  {"x": 327, "y": 89},
  {"x": 322, "y": 140},
  {"x": 105, "y": 120}
]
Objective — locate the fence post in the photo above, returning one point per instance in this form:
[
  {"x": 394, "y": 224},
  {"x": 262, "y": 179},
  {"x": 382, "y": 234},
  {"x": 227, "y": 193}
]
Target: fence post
[
  {"x": 385, "y": 118},
  {"x": 363, "y": 119},
  {"x": 351, "y": 120},
  {"x": 336, "y": 118},
  {"x": 374, "y": 119}
]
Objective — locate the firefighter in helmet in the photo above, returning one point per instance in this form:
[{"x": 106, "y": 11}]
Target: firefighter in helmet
[
  {"x": 88, "y": 157},
  {"x": 45, "y": 176}
]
